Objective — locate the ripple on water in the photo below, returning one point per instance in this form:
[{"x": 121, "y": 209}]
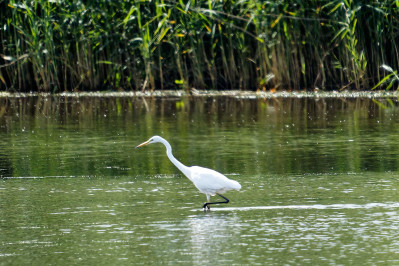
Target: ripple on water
[{"x": 389, "y": 205}]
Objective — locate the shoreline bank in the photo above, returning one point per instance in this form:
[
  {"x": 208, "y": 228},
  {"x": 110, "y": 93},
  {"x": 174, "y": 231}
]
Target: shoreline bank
[{"x": 211, "y": 93}]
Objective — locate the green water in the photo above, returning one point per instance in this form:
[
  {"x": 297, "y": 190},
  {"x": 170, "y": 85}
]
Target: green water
[{"x": 320, "y": 180}]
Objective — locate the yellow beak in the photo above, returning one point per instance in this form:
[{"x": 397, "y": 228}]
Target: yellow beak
[{"x": 143, "y": 144}]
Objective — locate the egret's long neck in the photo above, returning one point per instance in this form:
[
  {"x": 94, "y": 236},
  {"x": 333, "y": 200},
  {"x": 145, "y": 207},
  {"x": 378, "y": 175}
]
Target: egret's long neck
[{"x": 179, "y": 165}]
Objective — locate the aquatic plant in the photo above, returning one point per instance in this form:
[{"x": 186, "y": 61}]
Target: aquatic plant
[
  {"x": 389, "y": 79},
  {"x": 138, "y": 45}
]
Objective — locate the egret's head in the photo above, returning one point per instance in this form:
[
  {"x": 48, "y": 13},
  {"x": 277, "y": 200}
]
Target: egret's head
[{"x": 153, "y": 139}]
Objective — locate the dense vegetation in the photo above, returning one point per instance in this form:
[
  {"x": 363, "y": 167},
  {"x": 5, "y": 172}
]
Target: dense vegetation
[{"x": 136, "y": 45}]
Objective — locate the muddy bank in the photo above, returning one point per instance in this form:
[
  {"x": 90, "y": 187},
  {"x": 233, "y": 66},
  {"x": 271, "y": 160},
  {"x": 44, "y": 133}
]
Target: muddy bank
[{"x": 211, "y": 93}]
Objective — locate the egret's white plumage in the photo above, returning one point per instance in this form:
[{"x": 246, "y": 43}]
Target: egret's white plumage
[{"x": 208, "y": 181}]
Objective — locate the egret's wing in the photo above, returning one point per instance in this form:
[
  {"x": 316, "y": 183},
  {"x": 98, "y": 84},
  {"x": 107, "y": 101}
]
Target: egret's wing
[{"x": 209, "y": 181}]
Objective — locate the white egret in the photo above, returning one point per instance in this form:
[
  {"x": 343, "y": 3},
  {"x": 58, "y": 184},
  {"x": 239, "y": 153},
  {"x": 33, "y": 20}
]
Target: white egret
[{"x": 207, "y": 181}]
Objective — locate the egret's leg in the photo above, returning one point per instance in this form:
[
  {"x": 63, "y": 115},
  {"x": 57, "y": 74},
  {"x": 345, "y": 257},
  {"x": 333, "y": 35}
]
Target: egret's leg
[
  {"x": 206, "y": 205},
  {"x": 208, "y": 199}
]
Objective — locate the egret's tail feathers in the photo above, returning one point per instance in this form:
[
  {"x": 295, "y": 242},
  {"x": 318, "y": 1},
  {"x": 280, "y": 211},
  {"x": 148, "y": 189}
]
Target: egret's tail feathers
[{"x": 236, "y": 185}]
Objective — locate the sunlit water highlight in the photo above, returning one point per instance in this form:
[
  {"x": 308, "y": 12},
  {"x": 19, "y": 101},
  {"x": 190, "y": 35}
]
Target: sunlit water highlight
[
  {"x": 319, "y": 182},
  {"x": 316, "y": 206}
]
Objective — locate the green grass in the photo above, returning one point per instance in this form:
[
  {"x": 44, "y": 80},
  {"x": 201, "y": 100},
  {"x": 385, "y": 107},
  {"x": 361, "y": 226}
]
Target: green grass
[{"x": 140, "y": 45}]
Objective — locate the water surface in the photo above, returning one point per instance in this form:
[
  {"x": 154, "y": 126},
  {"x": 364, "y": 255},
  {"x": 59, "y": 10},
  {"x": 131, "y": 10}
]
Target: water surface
[{"x": 319, "y": 181}]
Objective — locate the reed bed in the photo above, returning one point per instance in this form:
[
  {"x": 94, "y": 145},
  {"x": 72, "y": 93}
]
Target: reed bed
[{"x": 55, "y": 46}]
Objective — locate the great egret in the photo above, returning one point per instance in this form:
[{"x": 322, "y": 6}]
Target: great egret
[{"x": 207, "y": 181}]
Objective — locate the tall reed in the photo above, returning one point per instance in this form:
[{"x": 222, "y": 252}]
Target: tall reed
[{"x": 162, "y": 44}]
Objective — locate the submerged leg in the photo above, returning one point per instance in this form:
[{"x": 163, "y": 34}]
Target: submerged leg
[
  {"x": 206, "y": 205},
  {"x": 208, "y": 199}
]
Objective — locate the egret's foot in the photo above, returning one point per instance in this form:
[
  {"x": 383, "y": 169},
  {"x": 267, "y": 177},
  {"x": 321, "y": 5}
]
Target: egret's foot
[{"x": 206, "y": 207}]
